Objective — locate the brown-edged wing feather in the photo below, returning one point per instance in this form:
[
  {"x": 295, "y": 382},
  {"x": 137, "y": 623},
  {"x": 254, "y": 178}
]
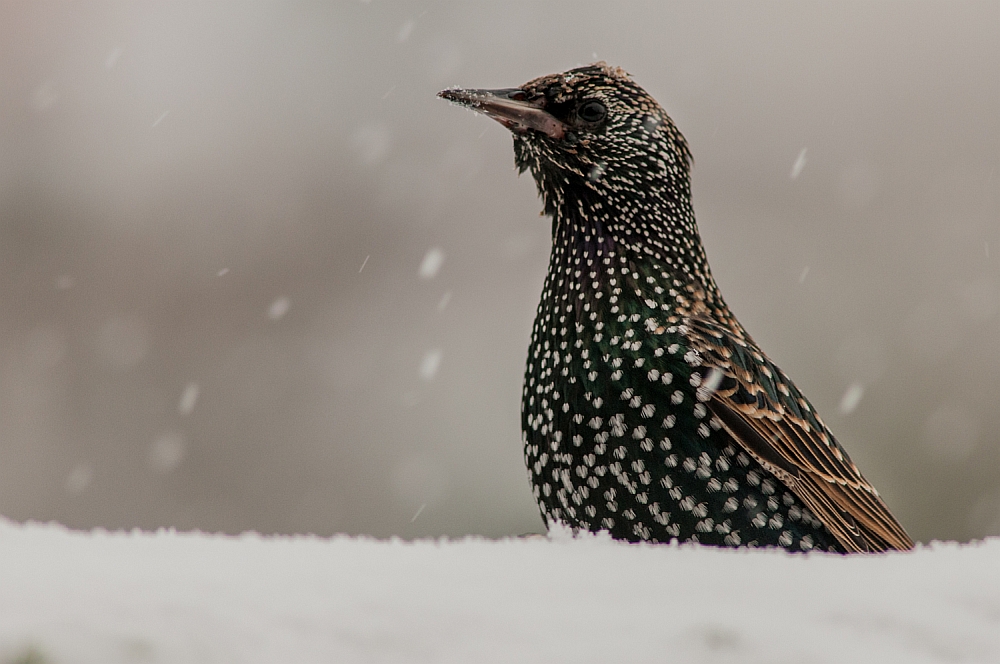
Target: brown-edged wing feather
[{"x": 767, "y": 416}]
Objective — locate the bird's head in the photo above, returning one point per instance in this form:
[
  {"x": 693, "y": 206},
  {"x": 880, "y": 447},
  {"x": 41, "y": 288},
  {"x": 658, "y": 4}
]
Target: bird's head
[{"x": 590, "y": 127}]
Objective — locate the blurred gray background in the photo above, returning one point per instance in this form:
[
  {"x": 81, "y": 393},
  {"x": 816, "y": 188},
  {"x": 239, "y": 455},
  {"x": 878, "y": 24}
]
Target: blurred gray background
[{"x": 253, "y": 275}]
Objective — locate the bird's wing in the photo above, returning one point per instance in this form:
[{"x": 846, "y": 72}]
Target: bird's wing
[{"x": 767, "y": 415}]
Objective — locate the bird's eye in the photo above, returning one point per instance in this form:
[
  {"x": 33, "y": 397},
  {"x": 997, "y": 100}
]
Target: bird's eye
[{"x": 591, "y": 111}]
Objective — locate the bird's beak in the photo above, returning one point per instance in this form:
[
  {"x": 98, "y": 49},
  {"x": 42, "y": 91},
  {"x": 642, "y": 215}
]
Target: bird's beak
[{"x": 509, "y": 108}]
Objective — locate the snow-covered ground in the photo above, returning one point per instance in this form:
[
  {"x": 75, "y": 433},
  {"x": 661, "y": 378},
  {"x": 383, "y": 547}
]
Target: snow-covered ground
[{"x": 177, "y": 597}]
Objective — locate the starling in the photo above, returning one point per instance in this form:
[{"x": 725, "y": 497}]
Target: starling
[{"x": 648, "y": 411}]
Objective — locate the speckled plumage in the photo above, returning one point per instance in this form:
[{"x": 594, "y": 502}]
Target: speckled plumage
[{"x": 648, "y": 411}]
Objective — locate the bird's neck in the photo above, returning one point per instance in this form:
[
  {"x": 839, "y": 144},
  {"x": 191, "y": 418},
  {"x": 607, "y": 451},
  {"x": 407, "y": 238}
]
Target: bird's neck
[{"x": 653, "y": 229}]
